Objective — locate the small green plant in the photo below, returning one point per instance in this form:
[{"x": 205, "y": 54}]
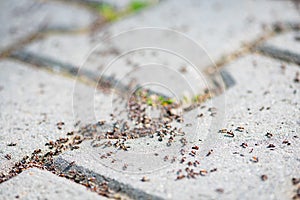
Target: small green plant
[
  {"x": 137, "y": 5},
  {"x": 165, "y": 101},
  {"x": 195, "y": 99},
  {"x": 185, "y": 99},
  {"x": 149, "y": 102},
  {"x": 108, "y": 12}
]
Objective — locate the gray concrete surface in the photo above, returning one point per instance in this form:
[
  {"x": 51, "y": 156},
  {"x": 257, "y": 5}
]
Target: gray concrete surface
[
  {"x": 194, "y": 20},
  {"x": 285, "y": 47},
  {"x": 38, "y": 184},
  {"x": 241, "y": 26},
  {"x": 287, "y": 41},
  {"x": 253, "y": 104},
  {"x": 135, "y": 68},
  {"x": 32, "y": 105},
  {"x": 260, "y": 108},
  {"x": 204, "y": 22},
  {"x": 20, "y": 19},
  {"x": 30, "y": 109}
]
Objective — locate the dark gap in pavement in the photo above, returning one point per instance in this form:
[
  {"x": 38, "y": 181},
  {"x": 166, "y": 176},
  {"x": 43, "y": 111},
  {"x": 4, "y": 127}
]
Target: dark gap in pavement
[
  {"x": 106, "y": 82},
  {"x": 53, "y": 65},
  {"x": 115, "y": 185},
  {"x": 280, "y": 54}
]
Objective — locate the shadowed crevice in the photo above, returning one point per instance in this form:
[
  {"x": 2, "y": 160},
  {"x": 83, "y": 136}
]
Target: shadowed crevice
[
  {"x": 280, "y": 54},
  {"x": 64, "y": 166}
]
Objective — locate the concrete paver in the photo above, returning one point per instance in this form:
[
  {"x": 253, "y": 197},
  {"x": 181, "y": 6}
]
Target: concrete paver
[
  {"x": 38, "y": 184},
  {"x": 204, "y": 22},
  {"x": 252, "y": 104},
  {"x": 256, "y": 153},
  {"x": 285, "y": 47},
  {"x": 179, "y": 76},
  {"x": 33, "y": 102},
  {"x": 194, "y": 21},
  {"x": 20, "y": 19},
  {"x": 72, "y": 49},
  {"x": 288, "y": 41}
]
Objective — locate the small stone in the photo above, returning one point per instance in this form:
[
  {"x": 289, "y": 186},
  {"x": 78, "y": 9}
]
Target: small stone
[
  {"x": 203, "y": 172},
  {"x": 145, "y": 179},
  {"x": 295, "y": 181},
  {"x": 297, "y": 78},
  {"x": 8, "y": 156},
  {"x": 220, "y": 190},
  {"x": 271, "y": 146},
  {"x": 269, "y": 135},
  {"x": 254, "y": 159},
  {"x": 264, "y": 177}
]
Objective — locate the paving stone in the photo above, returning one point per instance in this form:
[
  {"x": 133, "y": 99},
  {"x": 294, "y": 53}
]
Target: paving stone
[
  {"x": 72, "y": 49},
  {"x": 242, "y": 25},
  {"x": 20, "y": 19},
  {"x": 38, "y": 184},
  {"x": 204, "y": 22},
  {"x": 288, "y": 41},
  {"x": 285, "y": 46},
  {"x": 175, "y": 75},
  {"x": 194, "y": 19},
  {"x": 264, "y": 99},
  {"x": 34, "y": 101}
]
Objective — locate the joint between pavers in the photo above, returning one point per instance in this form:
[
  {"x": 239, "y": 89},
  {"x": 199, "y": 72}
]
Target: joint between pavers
[
  {"x": 274, "y": 52},
  {"x": 7, "y": 52},
  {"x": 251, "y": 47},
  {"x": 73, "y": 71},
  {"x": 113, "y": 184},
  {"x": 42, "y": 32},
  {"x": 105, "y": 83}
]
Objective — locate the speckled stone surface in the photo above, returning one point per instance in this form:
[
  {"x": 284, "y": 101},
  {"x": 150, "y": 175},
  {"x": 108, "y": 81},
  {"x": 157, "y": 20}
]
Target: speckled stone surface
[
  {"x": 289, "y": 41},
  {"x": 260, "y": 109},
  {"x": 203, "y": 21},
  {"x": 203, "y": 38},
  {"x": 264, "y": 99},
  {"x": 38, "y": 184},
  {"x": 33, "y": 101},
  {"x": 20, "y": 19}
]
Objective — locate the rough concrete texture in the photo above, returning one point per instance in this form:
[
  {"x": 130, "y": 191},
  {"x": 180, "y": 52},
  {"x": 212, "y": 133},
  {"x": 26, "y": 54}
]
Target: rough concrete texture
[
  {"x": 135, "y": 68},
  {"x": 201, "y": 21},
  {"x": 34, "y": 101},
  {"x": 256, "y": 157},
  {"x": 285, "y": 47},
  {"x": 20, "y": 19},
  {"x": 272, "y": 97},
  {"x": 38, "y": 184},
  {"x": 289, "y": 41},
  {"x": 204, "y": 22},
  {"x": 72, "y": 49}
]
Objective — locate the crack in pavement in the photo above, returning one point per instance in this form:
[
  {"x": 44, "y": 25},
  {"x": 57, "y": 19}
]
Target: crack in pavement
[
  {"x": 106, "y": 82},
  {"x": 122, "y": 188},
  {"x": 252, "y": 47},
  {"x": 6, "y": 52},
  {"x": 57, "y": 66},
  {"x": 280, "y": 54}
]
